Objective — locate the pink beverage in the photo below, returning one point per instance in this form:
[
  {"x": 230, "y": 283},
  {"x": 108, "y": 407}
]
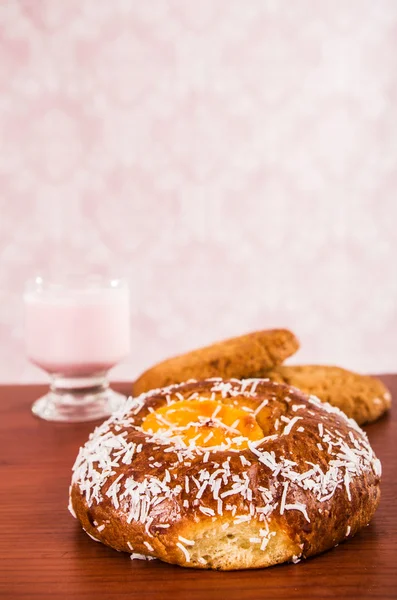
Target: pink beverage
[
  {"x": 76, "y": 331},
  {"x": 76, "y": 334}
]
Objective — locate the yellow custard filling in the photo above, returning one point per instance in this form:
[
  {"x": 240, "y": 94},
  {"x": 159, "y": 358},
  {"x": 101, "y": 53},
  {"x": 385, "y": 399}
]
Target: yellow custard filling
[{"x": 205, "y": 423}]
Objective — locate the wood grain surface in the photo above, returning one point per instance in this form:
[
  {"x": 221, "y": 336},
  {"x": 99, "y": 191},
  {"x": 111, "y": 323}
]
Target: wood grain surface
[{"x": 45, "y": 554}]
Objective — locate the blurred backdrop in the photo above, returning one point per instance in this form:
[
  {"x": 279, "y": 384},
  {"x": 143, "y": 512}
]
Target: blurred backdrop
[{"x": 237, "y": 161}]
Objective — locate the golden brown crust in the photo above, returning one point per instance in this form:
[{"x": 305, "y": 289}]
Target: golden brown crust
[
  {"x": 310, "y": 483},
  {"x": 243, "y": 356},
  {"x": 260, "y": 354},
  {"x": 361, "y": 397}
]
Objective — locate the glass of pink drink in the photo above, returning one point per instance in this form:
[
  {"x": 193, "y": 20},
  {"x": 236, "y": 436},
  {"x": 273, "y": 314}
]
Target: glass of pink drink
[{"x": 77, "y": 329}]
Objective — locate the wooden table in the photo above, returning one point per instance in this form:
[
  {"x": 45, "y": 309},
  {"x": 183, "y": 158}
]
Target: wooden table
[{"x": 45, "y": 554}]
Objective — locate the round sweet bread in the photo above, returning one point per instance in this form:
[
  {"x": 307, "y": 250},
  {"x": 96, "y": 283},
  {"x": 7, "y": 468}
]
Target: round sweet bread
[
  {"x": 225, "y": 474},
  {"x": 361, "y": 397}
]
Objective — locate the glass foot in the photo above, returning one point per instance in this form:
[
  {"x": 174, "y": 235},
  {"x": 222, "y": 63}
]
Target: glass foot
[{"x": 73, "y": 406}]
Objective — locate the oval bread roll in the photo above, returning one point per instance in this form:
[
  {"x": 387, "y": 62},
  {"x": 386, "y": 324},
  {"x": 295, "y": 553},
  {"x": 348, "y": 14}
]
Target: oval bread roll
[{"x": 242, "y": 356}]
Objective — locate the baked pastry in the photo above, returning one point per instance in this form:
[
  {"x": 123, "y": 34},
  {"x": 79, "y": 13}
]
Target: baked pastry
[
  {"x": 225, "y": 475},
  {"x": 361, "y": 397},
  {"x": 244, "y": 356}
]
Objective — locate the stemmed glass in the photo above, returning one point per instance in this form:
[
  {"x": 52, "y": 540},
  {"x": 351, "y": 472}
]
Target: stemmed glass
[{"x": 76, "y": 329}]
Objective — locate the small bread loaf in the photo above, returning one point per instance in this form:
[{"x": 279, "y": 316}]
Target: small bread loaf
[
  {"x": 243, "y": 356},
  {"x": 361, "y": 397},
  {"x": 225, "y": 475}
]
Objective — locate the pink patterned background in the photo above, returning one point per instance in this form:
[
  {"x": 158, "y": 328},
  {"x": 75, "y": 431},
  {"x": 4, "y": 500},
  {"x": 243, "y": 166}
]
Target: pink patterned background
[{"x": 237, "y": 160}]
